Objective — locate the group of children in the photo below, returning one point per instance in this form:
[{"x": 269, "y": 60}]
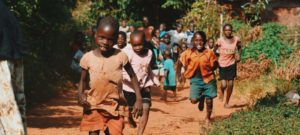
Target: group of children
[{"x": 121, "y": 71}]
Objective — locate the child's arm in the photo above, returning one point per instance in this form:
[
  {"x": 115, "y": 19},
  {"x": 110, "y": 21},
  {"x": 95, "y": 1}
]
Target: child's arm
[
  {"x": 82, "y": 99},
  {"x": 239, "y": 47},
  {"x": 178, "y": 68},
  {"x": 138, "y": 107},
  {"x": 166, "y": 76}
]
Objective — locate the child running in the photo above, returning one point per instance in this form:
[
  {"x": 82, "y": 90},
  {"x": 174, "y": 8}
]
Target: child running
[
  {"x": 199, "y": 64},
  {"x": 121, "y": 41},
  {"x": 170, "y": 76},
  {"x": 102, "y": 103},
  {"x": 229, "y": 48},
  {"x": 139, "y": 58}
]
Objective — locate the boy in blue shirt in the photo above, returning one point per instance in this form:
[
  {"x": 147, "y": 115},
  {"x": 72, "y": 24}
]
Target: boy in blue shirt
[{"x": 170, "y": 75}]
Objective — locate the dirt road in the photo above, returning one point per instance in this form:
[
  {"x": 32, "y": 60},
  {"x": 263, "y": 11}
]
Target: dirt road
[{"x": 61, "y": 116}]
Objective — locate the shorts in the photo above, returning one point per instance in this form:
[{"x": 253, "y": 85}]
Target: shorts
[
  {"x": 158, "y": 72},
  {"x": 131, "y": 98},
  {"x": 200, "y": 88},
  {"x": 97, "y": 120},
  {"x": 172, "y": 88},
  {"x": 227, "y": 73}
]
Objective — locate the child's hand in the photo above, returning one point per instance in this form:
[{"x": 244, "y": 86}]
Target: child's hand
[
  {"x": 237, "y": 57},
  {"x": 138, "y": 109},
  {"x": 82, "y": 100}
]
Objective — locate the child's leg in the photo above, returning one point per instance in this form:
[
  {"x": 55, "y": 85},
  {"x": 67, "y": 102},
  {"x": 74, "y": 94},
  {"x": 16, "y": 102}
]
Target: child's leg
[
  {"x": 229, "y": 92},
  {"x": 144, "y": 118},
  {"x": 94, "y": 132},
  {"x": 130, "y": 119},
  {"x": 209, "y": 107},
  {"x": 115, "y": 126},
  {"x": 223, "y": 87}
]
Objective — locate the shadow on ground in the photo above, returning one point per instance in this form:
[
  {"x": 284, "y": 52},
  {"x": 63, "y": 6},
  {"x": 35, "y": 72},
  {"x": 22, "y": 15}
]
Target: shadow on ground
[{"x": 63, "y": 112}]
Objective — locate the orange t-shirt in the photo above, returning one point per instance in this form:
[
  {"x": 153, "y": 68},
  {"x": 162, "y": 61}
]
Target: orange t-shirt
[
  {"x": 192, "y": 60},
  {"x": 227, "y": 51},
  {"x": 105, "y": 79}
]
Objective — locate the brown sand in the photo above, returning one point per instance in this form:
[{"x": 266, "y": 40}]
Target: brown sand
[{"x": 62, "y": 115}]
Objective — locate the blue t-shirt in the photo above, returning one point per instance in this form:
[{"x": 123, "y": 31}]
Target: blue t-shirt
[
  {"x": 75, "y": 61},
  {"x": 171, "y": 78}
]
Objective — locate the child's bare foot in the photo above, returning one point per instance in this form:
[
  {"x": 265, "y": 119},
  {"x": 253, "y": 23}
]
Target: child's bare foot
[
  {"x": 227, "y": 106},
  {"x": 207, "y": 121},
  {"x": 163, "y": 99},
  {"x": 221, "y": 97},
  {"x": 131, "y": 122}
]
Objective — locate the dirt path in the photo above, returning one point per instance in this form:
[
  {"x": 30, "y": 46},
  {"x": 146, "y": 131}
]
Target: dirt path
[{"x": 61, "y": 116}]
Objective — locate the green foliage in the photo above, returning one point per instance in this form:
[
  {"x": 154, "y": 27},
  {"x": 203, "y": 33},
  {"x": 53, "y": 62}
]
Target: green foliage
[
  {"x": 241, "y": 29},
  {"x": 47, "y": 28},
  {"x": 269, "y": 45},
  {"x": 177, "y": 4},
  {"x": 253, "y": 10},
  {"x": 206, "y": 16},
  {"x": 270, "y": 116}
]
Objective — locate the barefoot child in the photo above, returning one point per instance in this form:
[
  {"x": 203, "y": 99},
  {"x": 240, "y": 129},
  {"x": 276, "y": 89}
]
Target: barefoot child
[
  {"x": 103, "y": 109},
  {"x": 229, "y": 48},
  {"x": 199, "y": 64},
  {"x": 139, "y": 58},
  {"x": 170, "y": 75}
]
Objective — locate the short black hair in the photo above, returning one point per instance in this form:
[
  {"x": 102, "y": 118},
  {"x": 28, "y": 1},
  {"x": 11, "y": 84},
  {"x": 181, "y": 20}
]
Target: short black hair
[
  {"x": 202, "y": 34},
  {"x": 229, "y": 25},
  {"x": 138, "y": 32},
  {"x": 123, "y": 34},
  {"x": 108, "y": 21}
]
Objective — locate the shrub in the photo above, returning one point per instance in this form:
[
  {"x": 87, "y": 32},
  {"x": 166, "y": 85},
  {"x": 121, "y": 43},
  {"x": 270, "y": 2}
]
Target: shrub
[
  {"x": 269, "y": 45},
  {"x": 269, "y": 116}
]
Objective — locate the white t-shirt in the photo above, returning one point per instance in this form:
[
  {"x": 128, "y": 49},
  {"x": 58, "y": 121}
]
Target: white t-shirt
[
  {"x": 140, "y": 65},
  {"x": 124, "y": 29}
]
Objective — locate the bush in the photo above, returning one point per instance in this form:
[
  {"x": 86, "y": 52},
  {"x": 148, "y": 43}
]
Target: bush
[
  {"x": 269, "y": 116},
  {"x": 270, "y": 45}
]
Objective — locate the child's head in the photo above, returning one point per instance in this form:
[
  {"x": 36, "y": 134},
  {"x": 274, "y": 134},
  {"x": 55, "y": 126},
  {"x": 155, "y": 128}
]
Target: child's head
[
  {"x": 179, "y": 27},
  {"x": 210, "y": 42},
  {"x": 107, "y": 33},
  {"x": 131, "y": 28},
  {"x": 162, "y": 27},
  {"x": 146, "y": 21},
  {"x": 227, "y": 28},
  {"x": 183, "y": 44},
  {"x": 137, "y": 40},
  {"x": 199, "y": 40},
  {"x": 124, "y": 23},
  {"x": 121, "y": 42},
  {"x": 167, "y": 54},
  {"x": 166, "y": 38},
  {"x": 156, "y": 33}
]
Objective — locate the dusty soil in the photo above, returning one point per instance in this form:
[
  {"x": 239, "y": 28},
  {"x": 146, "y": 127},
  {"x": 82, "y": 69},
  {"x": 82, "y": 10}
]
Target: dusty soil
[{"x": 62, "y": 115}]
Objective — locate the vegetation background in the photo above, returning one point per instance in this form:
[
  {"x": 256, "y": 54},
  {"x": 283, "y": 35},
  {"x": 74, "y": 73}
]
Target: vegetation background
[{"x": 270, "y": 61}]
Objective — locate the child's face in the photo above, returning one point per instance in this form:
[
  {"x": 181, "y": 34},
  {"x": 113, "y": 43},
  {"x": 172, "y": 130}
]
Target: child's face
[
  {"x": 157, "y": 33},
  {"x": 179, "y": 28},
  {"x": 105, "y": 37},
  {"x": 210, "y": 43},
  {"x": 198, "y": 42},
  {"x": 227, "y": 31},
  {"x": 137, "y": 43},
  {"x": 184, "y": 47},
  {"x": 121, "y": 41},
  {"x": 166, "y": 39},
  {"x": 162, "y": 27},
  {"x": 131, "y": 28},
  {"x": 124, "y": 23}
]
